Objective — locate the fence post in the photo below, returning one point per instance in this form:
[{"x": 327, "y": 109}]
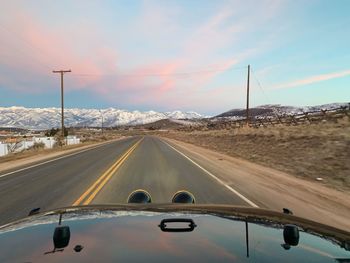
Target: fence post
[
  {"x": 324, "y": 114},
  {"x": 293, "y": 119},
  {"x": 307, "y": 116}
]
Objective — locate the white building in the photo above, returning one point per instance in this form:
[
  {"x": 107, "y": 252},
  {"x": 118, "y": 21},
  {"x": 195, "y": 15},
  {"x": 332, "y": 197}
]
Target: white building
[
  {"x": 70, "y": 139},
  {"x": 49, "y": 142},
  {"x": 16, "y": 147},
  {"x": 3, "y": 149}
]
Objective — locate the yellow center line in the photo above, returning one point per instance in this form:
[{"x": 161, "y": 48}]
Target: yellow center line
[{"x": 104, "y": 178}]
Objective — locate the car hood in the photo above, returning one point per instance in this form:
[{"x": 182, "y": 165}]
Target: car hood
[{"x": 134, "y": 233}]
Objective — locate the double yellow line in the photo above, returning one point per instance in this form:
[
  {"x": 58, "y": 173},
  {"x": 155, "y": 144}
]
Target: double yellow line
[{"x": 95, "y": 188}]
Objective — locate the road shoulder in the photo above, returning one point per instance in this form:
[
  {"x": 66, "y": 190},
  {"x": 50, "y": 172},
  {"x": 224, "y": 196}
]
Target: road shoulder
[
  {"x": 273, "y": 189},
  {"x": 35, "y": 159}
]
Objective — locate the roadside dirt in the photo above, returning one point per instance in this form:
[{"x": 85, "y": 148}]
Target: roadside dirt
[
  {"x": 273, "y": 189},
  {"x": 32, "y": 157},
  {"x": 317, "y": 152}
]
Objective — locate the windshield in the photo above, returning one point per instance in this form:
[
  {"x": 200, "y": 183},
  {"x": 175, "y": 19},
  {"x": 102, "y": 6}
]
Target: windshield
[{"x": 242, "y": 103}]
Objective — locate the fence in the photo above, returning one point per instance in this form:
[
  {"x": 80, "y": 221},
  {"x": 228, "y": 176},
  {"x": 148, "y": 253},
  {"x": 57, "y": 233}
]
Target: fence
[{"x": 331, "y": 115}]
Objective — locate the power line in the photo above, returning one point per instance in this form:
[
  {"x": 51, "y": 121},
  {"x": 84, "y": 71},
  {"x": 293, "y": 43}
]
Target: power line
[
  {"x": 183, "y": 74},
  {"x": 176, "y": 74},
  {"x": 258, "y": 82},
  {"x": 44, "y": 65},
  {"x": 262, "y": 90}
]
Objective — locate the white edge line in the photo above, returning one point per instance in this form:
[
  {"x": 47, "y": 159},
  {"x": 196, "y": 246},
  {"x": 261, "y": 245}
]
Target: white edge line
[
  {"x": 52, "y": 160},
  {"x": 214, "y": 177}
]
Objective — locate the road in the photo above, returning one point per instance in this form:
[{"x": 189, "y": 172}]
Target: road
[{"x": 107, "y": 174}]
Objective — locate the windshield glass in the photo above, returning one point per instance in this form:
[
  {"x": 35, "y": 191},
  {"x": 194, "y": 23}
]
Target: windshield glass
[{"x": 242, "y": 103}]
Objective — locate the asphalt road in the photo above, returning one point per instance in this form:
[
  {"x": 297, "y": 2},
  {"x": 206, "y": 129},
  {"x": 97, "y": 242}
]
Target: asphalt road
[{"x": 107, "y": 174}]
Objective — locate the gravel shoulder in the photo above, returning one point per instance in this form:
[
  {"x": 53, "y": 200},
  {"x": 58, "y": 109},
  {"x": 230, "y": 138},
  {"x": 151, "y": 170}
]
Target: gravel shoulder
[
  {"x": 273, "y": 189},
  {"x": 34, "y": 157},
  {"x": 315, "y": 152}
]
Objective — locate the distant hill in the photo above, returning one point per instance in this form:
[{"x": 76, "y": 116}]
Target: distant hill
[
  {"x": 167, "y": 124},
  {"x": 161, "y": 124},
  {"x": 270, "y": 110}
]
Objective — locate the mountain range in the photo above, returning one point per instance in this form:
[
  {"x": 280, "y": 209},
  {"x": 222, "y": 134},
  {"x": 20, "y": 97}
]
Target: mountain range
[{"x": 45, "y": 118}]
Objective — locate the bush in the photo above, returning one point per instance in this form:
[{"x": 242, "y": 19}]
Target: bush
[
  {"x": 37, "y": 146},
  {"x": 57, "y": 131},
  {"x": 51, "y": 132}
]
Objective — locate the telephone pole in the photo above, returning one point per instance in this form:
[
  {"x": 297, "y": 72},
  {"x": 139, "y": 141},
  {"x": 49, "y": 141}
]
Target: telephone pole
[
  {"x": 101, "y": 122},
  {"x": 247, "y": 111},
  {"x": 62, "y": 104}
]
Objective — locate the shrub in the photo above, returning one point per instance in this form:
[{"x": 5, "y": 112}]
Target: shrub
[{"x": 37, "y": 146}]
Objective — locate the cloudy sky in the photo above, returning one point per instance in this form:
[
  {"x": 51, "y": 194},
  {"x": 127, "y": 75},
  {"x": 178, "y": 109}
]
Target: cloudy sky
[{"x": 169, "y": 55}]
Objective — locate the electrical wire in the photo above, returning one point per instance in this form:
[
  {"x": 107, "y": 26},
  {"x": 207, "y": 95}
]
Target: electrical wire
[
  {"x": 41, "y": 63},
  {"x": 263, "y": 92},
  {"x": 188, "y": 74},
  {"x": 179, "y": 74}
]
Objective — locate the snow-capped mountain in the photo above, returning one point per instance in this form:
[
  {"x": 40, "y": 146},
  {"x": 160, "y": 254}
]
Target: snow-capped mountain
[{"x": 45, "y": 118}]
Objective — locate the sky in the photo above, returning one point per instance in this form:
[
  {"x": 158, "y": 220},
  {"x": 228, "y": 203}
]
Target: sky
[{"x": 188, "y": 55}]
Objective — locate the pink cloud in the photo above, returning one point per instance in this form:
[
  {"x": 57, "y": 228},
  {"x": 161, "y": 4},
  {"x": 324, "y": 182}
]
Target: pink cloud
[
  {"x": 99, "y": 69},
  {"x": 40, "y": 51},
  {"x": 312, "y": 79}
]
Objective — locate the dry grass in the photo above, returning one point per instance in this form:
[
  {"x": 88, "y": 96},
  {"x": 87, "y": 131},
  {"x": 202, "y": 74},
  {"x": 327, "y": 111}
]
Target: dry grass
[{"x": 308, "y": 151}]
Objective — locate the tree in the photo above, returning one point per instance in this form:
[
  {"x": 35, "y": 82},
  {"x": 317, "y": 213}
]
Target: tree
[
  {"x": 52, "y": 132},
  {"x": 65, "y": 132}
]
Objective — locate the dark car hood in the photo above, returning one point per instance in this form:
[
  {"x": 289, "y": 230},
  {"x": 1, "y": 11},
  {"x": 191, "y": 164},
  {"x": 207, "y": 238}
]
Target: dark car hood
[{"x": 132, "y": 233}]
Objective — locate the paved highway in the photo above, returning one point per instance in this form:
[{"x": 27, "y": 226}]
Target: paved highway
[{"x": 107, "y": 174}]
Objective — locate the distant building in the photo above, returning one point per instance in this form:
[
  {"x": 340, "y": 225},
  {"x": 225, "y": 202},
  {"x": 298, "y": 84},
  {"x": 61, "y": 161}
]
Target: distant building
[
  {"x": 3, "y": 149},
  {"x": 16, "y": 144},
  {"x": 70, "y": 139}
]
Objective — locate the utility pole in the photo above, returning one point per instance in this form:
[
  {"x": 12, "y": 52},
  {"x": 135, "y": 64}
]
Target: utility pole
[
  {"x": 247, "y": 111},
  {"x": 62, "y": 104},
  {"x": 102, "y": 125},
  {"x": 101, "y": 122}
]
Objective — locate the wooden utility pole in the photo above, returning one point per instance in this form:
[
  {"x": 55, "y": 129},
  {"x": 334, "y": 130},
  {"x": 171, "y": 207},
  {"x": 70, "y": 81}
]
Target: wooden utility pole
[
  {"x": 101, "y": 122},
  {"x": 102, "y": 125},
  {"x": 247, "y": 111},
  {"x": 62, "y": 104}
]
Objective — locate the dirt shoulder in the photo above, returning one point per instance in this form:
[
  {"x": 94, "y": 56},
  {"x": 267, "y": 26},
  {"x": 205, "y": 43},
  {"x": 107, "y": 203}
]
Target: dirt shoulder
[
  {"x": 307, "y": 151},
  {"x": 273, "y": 189},
  {"x": 9, "y": 163}
]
